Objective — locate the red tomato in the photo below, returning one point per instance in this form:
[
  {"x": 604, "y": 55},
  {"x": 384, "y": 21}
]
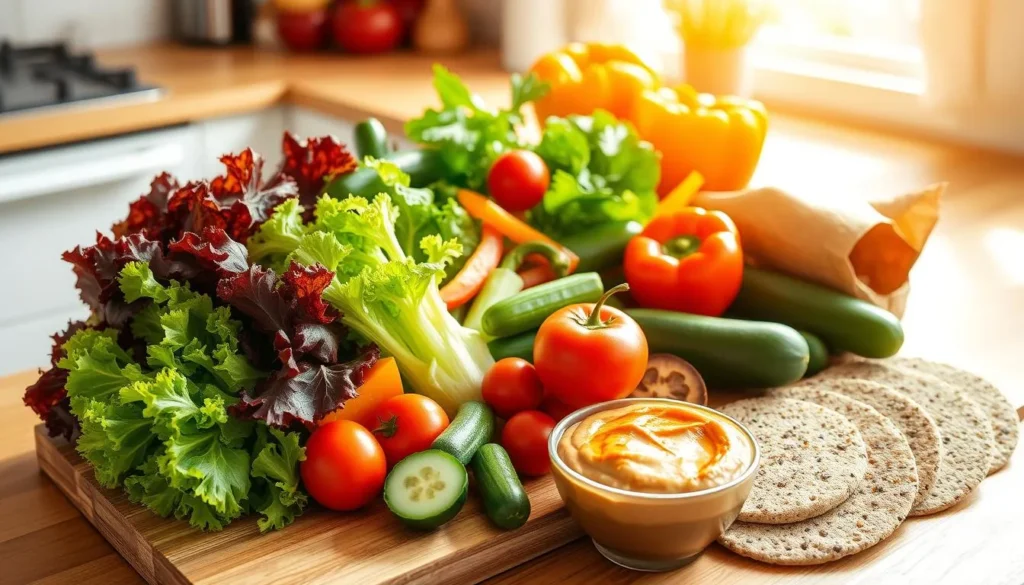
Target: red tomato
[
  {"x": 555, "y": 408},
  {"x": 344, "y": 467},
  {"x": 525, "y": 437},
  {"x": 512, "y": 386},
  {"x": 589, "y": 353},
  {"x": 362, "y": 26},
  {"x": 518, "y": 180},
  {"x": 303, "y": 31},
  {"x": 406, "y": 424}
]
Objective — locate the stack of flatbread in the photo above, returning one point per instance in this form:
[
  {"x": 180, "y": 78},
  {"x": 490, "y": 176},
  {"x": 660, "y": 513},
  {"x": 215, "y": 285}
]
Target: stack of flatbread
[{"x": 850, "y": 454}]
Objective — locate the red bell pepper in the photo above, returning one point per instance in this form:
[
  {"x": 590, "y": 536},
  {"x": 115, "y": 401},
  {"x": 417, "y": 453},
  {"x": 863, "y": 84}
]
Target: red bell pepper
[{"x": 688, "y": 261}]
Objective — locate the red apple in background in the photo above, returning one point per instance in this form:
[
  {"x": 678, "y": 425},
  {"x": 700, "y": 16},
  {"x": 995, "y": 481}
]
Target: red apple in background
[
  {"x": 303, "y": 31},
  {"x": 408, "y": 10},
  {"x": 367, "y": 26}
]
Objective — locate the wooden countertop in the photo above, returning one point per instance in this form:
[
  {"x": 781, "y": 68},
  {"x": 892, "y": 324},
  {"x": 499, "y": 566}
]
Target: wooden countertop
[
  {"x": 206, "y": 83},
  {"x": 967, "y": 305}
]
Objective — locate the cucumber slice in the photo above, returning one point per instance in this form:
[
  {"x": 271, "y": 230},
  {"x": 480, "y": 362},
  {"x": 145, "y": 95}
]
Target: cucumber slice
[{"x": 426, "y": 489}]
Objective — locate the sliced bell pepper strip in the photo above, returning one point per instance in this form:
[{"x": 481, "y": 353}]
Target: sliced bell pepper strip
[
  {"x": 679, "y": 198},
  {"x": 492, "y": 214},
  {"x": 504, "y": 282},
  {"x": 468, "y": 282},
  {"x": 689, "y": 261}
]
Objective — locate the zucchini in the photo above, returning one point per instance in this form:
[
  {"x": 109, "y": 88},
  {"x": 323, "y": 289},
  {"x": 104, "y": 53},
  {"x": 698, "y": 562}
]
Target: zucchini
[
  {"x": 844, "y": 323},
  {"x": 504, "y": 498},
  {"x": 423, "y": 167},
  {"x": 728, "y": 353},
  {"x": 603, "y": 246},
  {"x": 473, "y": 426},
  {"x": 371, "y": 139},
  {"x": 528, "y": 309},
  {"x": 520, "y": 346},
  {"x": 818, "y": 354},
  {"x": 426, "y": 489}
]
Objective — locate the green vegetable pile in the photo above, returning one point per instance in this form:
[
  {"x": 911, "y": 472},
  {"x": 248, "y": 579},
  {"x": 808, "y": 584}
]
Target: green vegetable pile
[
  {"x": 162, "y": 427},
  {"x": 601, "y": 171}
]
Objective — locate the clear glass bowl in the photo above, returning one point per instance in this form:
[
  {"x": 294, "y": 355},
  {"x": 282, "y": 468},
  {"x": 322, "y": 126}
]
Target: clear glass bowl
[{"x": 649, "y": 532}]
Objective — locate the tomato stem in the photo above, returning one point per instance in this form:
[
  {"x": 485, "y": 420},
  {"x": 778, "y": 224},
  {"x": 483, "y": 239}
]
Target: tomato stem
[
  {"x": 681, "y": 246},
  {"x": 594, "y": 321},
  {"x": 388, "y": 427}
]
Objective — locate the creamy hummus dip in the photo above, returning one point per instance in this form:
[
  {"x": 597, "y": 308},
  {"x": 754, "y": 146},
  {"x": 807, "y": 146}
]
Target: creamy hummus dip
[{"x": 657, "y": 449}]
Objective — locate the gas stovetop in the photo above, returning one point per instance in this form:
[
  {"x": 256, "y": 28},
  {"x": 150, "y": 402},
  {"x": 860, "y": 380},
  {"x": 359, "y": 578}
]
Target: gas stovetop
[{"x": 44, "y": 76}]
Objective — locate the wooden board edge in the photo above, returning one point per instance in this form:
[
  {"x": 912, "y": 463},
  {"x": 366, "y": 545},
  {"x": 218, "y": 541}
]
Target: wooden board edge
[
  {"x": 79, "y": 487},
  {"x": 478, "y": 563}
]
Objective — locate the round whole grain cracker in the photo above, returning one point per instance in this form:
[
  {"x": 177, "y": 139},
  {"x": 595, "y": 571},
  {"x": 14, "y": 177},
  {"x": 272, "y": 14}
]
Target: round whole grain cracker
[
  {"x": 913, "y": 421},
  {"x": 812, "y": 459},
  {"x": 999, "y": 410},
  {"x": 869, "y": 516},
  {"x": 965, "y": 430}
]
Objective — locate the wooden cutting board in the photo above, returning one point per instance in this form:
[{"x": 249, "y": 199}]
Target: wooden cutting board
[{"x": 368, "y": 548}]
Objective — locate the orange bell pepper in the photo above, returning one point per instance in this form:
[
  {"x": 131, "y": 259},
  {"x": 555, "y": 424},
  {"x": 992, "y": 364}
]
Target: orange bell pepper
[
  {"x": 382, "y": 382},
  {"x": 468, "y": 282},
  {"x": 719, "y": 137},
  {"x": 587, "y": 77},
  {"x": 688, "y": 261}
]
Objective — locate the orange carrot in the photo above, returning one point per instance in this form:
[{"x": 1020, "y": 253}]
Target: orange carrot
[
  {"x": 468, "y": 282},
  {"x": 489, "y": 212}
]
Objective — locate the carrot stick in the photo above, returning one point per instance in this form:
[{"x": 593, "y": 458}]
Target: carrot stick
[
  {"x": 468, "y": 282},
  {"x": 489, "y": 212}
]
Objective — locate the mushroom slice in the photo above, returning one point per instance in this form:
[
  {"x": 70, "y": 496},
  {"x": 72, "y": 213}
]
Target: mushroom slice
[{"x": 669, "y": 376}]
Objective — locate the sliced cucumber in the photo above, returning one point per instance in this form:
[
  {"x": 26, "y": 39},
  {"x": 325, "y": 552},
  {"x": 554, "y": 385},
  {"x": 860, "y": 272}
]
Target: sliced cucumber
[{"x": 426, "y": 489}]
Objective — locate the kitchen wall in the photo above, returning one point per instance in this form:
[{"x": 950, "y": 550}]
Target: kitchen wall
[
  {"x": 85, "y": 23},
  {"x": 112, "y": 23}
]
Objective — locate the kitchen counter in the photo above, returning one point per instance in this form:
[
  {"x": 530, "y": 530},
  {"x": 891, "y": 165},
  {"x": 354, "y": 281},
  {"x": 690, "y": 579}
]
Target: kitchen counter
[
  {"x": 967, "y": 305},
  {"x": 205, "y": 83}
]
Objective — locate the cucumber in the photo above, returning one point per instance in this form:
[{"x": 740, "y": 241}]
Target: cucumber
[
  {"x": 520, "y": 346},
  {"x": 842, "y": 322},
  {"x": 472, "y": 427},
  {"x": 504, "y": 498},
  {"x": 423, "y": 167},
  {"x": 528, "y": 309},
  {"x": 818, "y": 353},
  {"x": 728, "y": 353},
  {"x": 426, "y": 489},
  {"x": 371, "y": 139},
  {"x": 603, "y": 246}
]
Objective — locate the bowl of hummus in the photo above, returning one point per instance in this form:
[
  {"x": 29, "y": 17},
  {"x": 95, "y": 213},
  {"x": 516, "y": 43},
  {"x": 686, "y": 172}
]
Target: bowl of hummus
[{"x": 652, "y": 481}]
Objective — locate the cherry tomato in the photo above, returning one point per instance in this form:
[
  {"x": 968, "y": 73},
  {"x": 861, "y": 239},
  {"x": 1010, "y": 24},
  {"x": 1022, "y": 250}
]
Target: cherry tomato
[
  {"x": 518, "y": 180},
  {"x": 512, "y": 386},
  {"x": 525, "y": 437},
  {"x": 365, "y": 26},
  {"x": 589, "y": 353},
  {"x": 555, "y": 408},
  {"x": 344, "y": 467},
  {"x": 406, "y": 424}
]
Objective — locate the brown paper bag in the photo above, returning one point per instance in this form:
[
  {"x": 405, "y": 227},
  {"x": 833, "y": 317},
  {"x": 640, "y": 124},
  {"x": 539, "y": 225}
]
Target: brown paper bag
[{"x": 862, "y": 248}]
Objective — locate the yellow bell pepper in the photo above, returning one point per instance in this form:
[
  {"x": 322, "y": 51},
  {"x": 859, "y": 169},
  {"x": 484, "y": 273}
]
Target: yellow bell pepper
[
  {"x": 719, "y": 137},
  {"x": 587, "y": 77}
]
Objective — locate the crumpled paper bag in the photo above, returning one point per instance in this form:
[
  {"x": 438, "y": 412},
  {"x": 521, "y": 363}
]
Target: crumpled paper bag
[{"x": 862, "y": 248}]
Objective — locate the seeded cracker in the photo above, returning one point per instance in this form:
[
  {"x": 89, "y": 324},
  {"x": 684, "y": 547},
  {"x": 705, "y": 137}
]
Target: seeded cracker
[
  {"x": 870, "y": 515},
  {"x": 965, "y": 430},
  {"x": 812, "y": 459},
  {"x": 913, "y": 421},
  {"x": 999, "y": 410}
]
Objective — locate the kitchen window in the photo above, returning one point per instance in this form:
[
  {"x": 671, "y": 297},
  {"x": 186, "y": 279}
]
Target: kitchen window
[{"x": 946, "y": 69}]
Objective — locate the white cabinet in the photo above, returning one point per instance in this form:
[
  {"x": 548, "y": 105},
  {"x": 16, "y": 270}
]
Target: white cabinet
[
  {"x": 53, "y": 200},
  {"x": 260, "y": 131},
  {"x": 305, "y": 123}
]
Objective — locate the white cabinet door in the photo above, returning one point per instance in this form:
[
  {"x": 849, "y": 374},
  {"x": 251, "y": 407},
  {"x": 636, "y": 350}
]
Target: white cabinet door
[
  {"x": 54, "y": 200},
  {"x": 260, "y": 131},
  {"x": 305, "y": 123}
]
